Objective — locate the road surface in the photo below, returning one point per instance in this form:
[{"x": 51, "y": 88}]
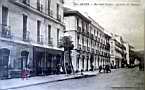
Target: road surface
[{"x": 121, "y": 79}]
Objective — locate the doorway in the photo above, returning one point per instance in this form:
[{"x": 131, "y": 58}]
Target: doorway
[{"x": 4, "y": 59}]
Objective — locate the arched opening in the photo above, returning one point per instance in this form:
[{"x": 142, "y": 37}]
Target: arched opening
[
  {"x": 24, "y": 59},
  {"x": 4, "y": 58}
]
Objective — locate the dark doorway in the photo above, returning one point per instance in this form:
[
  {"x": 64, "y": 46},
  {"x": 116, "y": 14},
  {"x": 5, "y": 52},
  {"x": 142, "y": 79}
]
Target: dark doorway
[
  {"x": 24, "y": 59},
  {"x": 4, "y": 58}
]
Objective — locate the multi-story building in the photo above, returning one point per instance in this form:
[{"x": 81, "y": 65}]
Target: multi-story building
[
  {"x": 77, "y": 26},
  {"x": 100, "y": 45},
  {"x": 91, "y": 44},
  {"x": 29, "y": 36},
  {"x": 117, "y": 51}
]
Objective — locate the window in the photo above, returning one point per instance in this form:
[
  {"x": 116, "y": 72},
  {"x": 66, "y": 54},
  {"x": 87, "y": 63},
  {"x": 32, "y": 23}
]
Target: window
[
  {"x": 49, "y": 3},
  {"x": 87, "y": 42},
  {"x": 24, "y": 27},
  {"x": 83, "y": 40},
  {"x": 58, "y": 36},
  {"x": 24, "y": 59},
  {"x": 38, "y": 30},
  {"x": 77, "y": 22},
  {"x": 49, "y": 33},
  {"x": 5, "y": 28},
  {"x": 4, "y": 15},
  {"x": 94, "y": 32},
  {"x": 57, "y": 10},
  {"x": 83, "y": 26},
  {"x": 39, "y": 5}
]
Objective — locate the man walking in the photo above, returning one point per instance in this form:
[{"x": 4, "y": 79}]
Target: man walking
[{"x": 100, "y": 68}]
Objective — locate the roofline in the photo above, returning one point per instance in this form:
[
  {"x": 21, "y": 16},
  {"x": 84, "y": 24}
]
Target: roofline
[{"x": 77, "y": 13}]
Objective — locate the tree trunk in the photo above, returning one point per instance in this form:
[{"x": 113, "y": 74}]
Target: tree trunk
[{"x": 68, "y": 62}]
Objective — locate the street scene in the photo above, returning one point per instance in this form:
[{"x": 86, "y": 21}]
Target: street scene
[
  {"x": 122, "y": 79},
  {"x": 56, "y": 44}
]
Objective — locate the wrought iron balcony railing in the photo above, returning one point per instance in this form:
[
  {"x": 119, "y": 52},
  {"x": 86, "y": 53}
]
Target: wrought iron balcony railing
[
  {"x": 50, "y": 13},
  {"x": 59, "y": 17},
  {"x": 27, "y": 2},
  {"x": 40, "y": 39},
  {"x": 79, "y": 29},
  {"x": 26, "y": 36},
  {"x": 50, "y": 42},
  {"x": 35, "y": 7},
  {"x": 5, "y": 31},
  {"x": 39, "y": 7}
]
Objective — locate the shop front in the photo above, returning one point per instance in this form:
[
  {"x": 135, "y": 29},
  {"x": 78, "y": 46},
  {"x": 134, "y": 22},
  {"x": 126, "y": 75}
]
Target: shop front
[{"x": 47, "y": 61}]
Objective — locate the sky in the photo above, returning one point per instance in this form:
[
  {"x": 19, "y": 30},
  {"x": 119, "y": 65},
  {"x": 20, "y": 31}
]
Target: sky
[{"x": 123, "y": 17}]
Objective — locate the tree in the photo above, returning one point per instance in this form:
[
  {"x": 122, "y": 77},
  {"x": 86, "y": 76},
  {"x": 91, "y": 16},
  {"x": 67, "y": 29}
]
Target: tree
[{"x": 66, "y": 43}]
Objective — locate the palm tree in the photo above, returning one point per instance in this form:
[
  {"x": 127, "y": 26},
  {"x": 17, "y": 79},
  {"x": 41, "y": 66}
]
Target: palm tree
[{"x": 66, "y": 43}]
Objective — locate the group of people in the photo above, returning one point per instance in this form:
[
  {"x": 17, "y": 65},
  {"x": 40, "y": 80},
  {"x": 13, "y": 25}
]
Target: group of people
[{"x": 105, "y": 68}]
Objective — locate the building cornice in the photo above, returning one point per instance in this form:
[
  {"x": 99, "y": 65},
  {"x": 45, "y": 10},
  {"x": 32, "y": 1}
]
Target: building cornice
[{"x": 31, "y": 9}]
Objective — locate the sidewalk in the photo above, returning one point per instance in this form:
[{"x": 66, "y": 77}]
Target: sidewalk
[{"x": 18, "y": 82}]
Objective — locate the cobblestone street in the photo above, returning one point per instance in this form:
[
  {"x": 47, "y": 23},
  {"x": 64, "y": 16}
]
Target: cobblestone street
[{"x": 121, "y": 79}]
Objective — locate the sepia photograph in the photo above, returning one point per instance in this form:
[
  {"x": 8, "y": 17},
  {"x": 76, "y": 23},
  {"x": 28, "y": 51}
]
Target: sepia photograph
[{"x": 72, "y": 45}]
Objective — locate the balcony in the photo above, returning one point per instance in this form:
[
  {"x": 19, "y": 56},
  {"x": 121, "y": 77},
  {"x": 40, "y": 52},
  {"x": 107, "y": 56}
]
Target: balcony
[
  {"x": 27, "y": 2},
  {"x": 40, "y": 39},
  {"x": 26, "y": 36},
  {"x": 79, "y": 29},
  {"x": 39, "y": 7},
  {"x": 50, "y": 13},
  {"x": 59, "y": 18},
  {"x": 5, "y": 31},
  {"x": 50, "y": 42}
]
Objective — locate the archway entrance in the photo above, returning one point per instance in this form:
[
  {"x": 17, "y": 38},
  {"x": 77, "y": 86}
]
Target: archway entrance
[
  {"x": 4, "y": 58},
  {"x": 24, "y": 59}
]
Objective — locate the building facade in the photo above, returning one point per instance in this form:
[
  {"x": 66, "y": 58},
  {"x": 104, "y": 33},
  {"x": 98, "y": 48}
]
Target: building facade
[
  {"x": 29, "y": 36},
  {"x": 118, "y": 51},
  {"x": 91, "y": 44}
]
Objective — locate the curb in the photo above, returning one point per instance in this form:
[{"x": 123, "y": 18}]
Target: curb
[{"x": 75, "y": 77}]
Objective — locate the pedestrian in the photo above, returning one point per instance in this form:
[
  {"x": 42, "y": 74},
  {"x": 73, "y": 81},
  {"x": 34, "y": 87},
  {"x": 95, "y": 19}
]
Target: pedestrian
[
  {"x": 107, "y": 68},
  {"x": 25, "y": 73},
  {"x": 104, "y": 68},
  {"x": 82, "y": 72},
  {"x": 100, "y": 68},
  {"x": 58, "y": 69}
]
